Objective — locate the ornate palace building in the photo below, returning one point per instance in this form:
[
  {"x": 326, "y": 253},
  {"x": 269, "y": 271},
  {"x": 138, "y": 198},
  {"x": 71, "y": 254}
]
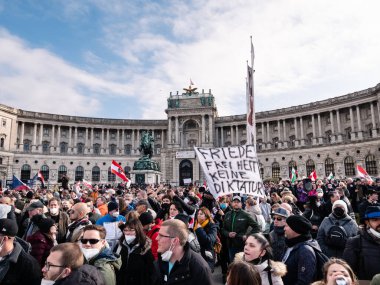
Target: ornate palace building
[{"x": 332, "y": 135}]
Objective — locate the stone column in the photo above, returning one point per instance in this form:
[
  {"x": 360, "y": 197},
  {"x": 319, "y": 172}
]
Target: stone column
[
  {"x": 41, "y": 134},
  {"x": 138, "y": 137},
  {"x": 216, "y": 141},
  {"x": 52, "y": 138},
  {"x": 86, "y": 142},
  {"x": 34, "y": 144},
  {"x": 59, "y": 139},
  {"x": 92, "y": 141},
  {"x": 22, "y": 135},
  {"x": 320, "y": 129},
  {"x": 107, "y": 148},
  {"x": 378, "y": 109},
  {"x": 133, "y": 142},
  {"x": 314, "y": 132},
  {"x": 232, "y": 135},
  {"x": 176, "y": 130},
  {"x": 221, "y": 137},
  {"x": 237, "y": 135},
  {"x": 374, "y": 130},
  {"x": 263, "y": 137},
  {"x": 122, "y": 147},
  {"x": 296, "y": 143},
  {"x": 269, "y": 142},
  {"x": 170, "y": 141},
  {"x": 285, "y": 138},
  {"x": 210, "y": 131},
  {"x": 102, "y": 142},
  {"x": 360, "y": 132},
  {"x": 353, "y": 133},
  {"x": 117, "y": 141},
  {"x": 279, "y": 131},
  {"x": 340, "y": 139},
  {"x": 162, "y": 139},
  {"x": 332, "y": 127},
  {"x": 302, "y": 132},
  {"x": 203, "y": 129},
  {"x": 70, "y": 140}
]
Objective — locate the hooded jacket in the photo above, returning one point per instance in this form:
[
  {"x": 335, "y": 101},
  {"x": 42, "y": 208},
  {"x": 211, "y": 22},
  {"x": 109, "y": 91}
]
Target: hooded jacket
[
  {"x": 107, "y": 263},
  {"x": 276, "y": 269},
  {"x": 84, "y": 275}
]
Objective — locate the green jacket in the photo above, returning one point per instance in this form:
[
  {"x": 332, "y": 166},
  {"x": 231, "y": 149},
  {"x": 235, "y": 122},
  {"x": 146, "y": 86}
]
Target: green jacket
[
  {"x": 107, "y": 263},
  {"x": 239, "y": 222}
]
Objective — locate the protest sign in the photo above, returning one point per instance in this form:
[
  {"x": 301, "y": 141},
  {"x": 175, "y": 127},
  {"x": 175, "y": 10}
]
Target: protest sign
[{"x": 231, "y": 170}]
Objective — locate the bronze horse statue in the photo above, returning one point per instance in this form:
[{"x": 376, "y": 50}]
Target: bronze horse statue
[{"x": 146, "y": 144}]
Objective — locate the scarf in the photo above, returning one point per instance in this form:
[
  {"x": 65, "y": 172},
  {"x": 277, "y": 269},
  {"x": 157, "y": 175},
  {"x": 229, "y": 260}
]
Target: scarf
[
  {"x": 375, "y": 238},
  {"x": 197, "y": 225},
  {"x": 293, "y": 241},
  {"x": 279, "y": 230}
]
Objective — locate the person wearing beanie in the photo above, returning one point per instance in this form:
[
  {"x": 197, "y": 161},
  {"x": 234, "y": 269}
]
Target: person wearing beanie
[
  {"x": 299, "y": 257},
  {"x": 16, "y": 265},
  {"x": 44, "y": 239},
  {"x": 151, "y": 230},
  {"x": 330, "y": 237},
  {"x": 362, "y": 252}
]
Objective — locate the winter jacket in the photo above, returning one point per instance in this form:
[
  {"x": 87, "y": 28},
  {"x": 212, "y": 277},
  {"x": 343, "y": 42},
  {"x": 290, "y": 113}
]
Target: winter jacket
[
  {"x": 276, "y": 270},
  {"x": 19, "y": 268},
  {"x": 137, "y": 264},
  {"x": 107, "y": 263},
  {"x": 152, "y": 234},
  {"x": 41, "y": 245},
  {"x": 238, "y": 221},
  {"x": 63, "y": 224},
  {"x": 75, "y": 228},
  {"x": 347, "y": 223},
  {"x": 301, "y": 264},
  {"x": 207, "y": 237},
  {"x": 277, "y": 241},
  {"x": 84, "y": 275},
  {"x": 362, "y": 253},
  {"x": 192, "y": 269}
]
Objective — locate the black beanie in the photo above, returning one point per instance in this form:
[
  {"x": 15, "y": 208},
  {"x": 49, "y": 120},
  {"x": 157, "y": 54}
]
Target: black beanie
[
  {"x": 299, "y": 224},
  {"x": 45, "y": 224},
  {"x": 146, "y": 218}
]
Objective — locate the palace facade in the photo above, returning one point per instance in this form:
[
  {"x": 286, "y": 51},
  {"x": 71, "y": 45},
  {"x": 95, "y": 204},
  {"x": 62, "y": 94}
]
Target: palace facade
[{"x": 332, "y": 135}]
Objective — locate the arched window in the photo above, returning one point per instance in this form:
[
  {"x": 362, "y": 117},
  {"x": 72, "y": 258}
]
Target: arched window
[
  {"x": 45, "y": 171},
  {"x": 95, "y": 174},
  {"x": 111, "y": 176},
  {"x": 370, "y": 164},
  {"x": 292, "y": 164},
  {"x": 127, "y": 170},
  {"x": 113, "y": 149},
  {"x": 80, "y": 150},
  {"x": 63, "y": 147},
  {"x": 275, "y": 170},
  {"x": 349, "y": 166},
  {"x": 310, "y": 166},
  {"x": 25, "y": 173},
  {"x": 329, "y": 166},
  {"x": 79, "y": 173},
  {"x": 62, "y": 170}
]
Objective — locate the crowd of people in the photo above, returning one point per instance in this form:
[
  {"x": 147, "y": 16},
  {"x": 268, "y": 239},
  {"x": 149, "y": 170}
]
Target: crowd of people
[{"x": 307, "y": 232}]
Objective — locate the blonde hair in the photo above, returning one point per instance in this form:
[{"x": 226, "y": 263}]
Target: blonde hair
[{"x": 177, "y": 228}]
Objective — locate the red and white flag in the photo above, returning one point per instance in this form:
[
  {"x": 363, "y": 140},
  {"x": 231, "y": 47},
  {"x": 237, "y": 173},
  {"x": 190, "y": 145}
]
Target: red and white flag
[
  {"x": 118, "y": 170},
  {"x": 362, "y": 173},
  {"x": 86, "y": 184},
  {"x": 313, "y": 175},
  {"x": 41, "y": 177}
]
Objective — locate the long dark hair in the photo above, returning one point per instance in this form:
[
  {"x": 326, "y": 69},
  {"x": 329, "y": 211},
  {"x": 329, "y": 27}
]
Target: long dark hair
[
  {"x": 133, "y": 222},
  {"x": 242, "y": 273}
]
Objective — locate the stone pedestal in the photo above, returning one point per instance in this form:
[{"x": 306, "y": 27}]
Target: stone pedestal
[{"x": 146, "y": 177}]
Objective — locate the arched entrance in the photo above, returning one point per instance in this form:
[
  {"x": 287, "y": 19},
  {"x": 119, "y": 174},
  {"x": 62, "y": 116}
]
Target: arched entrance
[{"x": 185, "y": 171}]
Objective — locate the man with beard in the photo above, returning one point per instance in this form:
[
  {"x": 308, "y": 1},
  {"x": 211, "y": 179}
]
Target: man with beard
[
  {"x": 372, "y": 200},
  {"x": 277, "y": 235},
  {"x": 79, "y": 219},
  {"x": 299, "y": 257},
  {"x": 60, "y": 218},
  {"x": 362, "y": 252}
]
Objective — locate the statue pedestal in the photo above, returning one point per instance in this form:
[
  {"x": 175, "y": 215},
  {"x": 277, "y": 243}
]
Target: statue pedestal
[{"x": 146, "y": 177}]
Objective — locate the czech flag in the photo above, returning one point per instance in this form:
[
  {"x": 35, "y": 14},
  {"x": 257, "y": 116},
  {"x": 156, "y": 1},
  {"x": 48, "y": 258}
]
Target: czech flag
[{"x": 17, "y": 184}]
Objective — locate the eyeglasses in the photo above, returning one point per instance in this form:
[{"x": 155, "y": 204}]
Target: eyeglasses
[
  {"x": 161, "y": 236},
  {"x": 48, "y": 265},
  {"x": 278, "y": 219},
  {"x": 90, "y": 240}
]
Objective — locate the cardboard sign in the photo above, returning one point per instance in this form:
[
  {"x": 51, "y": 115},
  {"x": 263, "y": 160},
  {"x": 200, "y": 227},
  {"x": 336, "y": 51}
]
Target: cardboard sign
[{"x": 231, "y": 170}]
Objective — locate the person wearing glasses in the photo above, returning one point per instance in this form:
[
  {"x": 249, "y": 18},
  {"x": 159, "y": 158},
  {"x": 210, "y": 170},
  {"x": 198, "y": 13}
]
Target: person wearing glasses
[
  {"x": 277, "y": 235},
  {"x": 177, "y": 263},
  {"x": 95, "y": 251},
  {"x": 64, "y": 266},
  {"x": 16, "y": 266},
  {"x": 136, "y": 255}
]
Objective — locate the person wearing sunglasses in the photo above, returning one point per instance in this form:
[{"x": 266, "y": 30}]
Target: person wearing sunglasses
[
  {"x": 277, "y": 235},
  {"x": 93, "y": 246}
]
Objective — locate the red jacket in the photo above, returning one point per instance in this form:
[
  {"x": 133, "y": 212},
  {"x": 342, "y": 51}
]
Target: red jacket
[
  {"x": 41, "y": 245},
  {"x": 152, "y": 234}
]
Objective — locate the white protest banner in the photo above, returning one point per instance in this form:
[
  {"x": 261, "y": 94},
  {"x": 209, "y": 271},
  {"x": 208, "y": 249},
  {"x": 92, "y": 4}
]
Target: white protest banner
[
  {"x": 186, "y": 180},
  {"x": 231, "y": 170}
]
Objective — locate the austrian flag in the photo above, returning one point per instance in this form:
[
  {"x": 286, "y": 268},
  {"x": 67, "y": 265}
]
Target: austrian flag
[
  {"x": 118, "y": 170},
  {"x": 362, "y": 173}
]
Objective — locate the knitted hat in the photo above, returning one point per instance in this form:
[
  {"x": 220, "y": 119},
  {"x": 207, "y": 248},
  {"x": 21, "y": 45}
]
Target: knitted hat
[
  {"x": 372, "y": 212},
  {"x": 8, "y": 227},
  {"x": 45, "y": 224},
  {"x": 112, "y": 206},
  {"x": 340, "y": 203},
  {"x": 146, "y": 218},
  {"x": 299, "y": 224}
]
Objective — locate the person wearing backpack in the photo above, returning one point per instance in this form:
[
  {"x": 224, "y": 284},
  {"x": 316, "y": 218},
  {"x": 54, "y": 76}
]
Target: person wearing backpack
[
  {"x": 303, "y": 255},
  {"x": 335, "y": 230}
]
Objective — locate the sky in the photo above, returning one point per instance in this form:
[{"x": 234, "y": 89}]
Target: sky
[{"x": 121, "y": 59}]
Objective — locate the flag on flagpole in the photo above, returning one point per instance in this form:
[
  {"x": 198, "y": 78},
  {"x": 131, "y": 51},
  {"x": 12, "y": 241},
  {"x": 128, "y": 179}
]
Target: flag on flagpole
[
  {"x": 294, "y": 175},
  {"x": 86, "y": 184},
  {"x": 17, "y": 184},
  {"x": 331, "y": 176},
  {"x": 362, "y": 173},
  {"x": 36, "y": 177},
  {"x": 118, "y": 171},
  {"x": 251, "y": 121},
  {"x": 313, "y": 175},
  {"x": 41, "y": 177}
]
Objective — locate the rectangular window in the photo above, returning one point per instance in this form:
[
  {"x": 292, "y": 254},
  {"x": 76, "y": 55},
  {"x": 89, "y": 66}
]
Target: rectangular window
[
  {"x": 63, "y": 133},
  {"x": 46, "y": 132},
  {"x": 127, "y": 135},
  {"x": 113, "y": 135}
]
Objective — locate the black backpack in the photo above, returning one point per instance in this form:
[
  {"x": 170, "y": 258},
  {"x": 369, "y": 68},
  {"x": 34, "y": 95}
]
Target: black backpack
[
  {"x": 321, "y": 259},
  {"x": 336, "y": 235}
]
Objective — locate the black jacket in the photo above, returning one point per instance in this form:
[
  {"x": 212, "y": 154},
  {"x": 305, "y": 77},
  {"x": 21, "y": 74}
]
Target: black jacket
[
  {"x": 362, "y": 253},
  {"x": 192, "y": 269},
  {"x": 84, "y": 275},
  {"x": 23, "y": 268}
]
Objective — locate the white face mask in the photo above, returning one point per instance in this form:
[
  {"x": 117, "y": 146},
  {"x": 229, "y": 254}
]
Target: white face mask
[
  {"x": 374, "y": 232},
  {"x": 115, "y": 214},
  {"x": 50, "y": 282},
  {"x": 129, "y": 238},
  {"x": 54, "y": 211},
  {"x": 89, "y": 253},
  {"x": 167, "y": 254}
]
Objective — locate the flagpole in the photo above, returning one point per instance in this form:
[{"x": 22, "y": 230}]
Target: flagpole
[{"x": 253, "y": 92}]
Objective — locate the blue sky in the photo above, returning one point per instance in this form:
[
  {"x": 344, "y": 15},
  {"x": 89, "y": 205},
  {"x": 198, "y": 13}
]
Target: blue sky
[{"x": 121, "y": 59}]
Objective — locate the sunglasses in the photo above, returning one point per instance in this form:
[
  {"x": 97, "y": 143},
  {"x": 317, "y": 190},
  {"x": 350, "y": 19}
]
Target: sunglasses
[
  {"x": 90, "y": 240},
  {"x": 278, "y": 219}
]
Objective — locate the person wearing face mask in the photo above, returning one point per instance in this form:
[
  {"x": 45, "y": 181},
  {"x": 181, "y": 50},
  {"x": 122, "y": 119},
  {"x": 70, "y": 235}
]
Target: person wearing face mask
[
  {"x": 16, "y": 266},
  {"x": 96, "y": 253},
  {"x": 313, "y": 213},
  {"x": 64, "y": 266},
  {"x": 335, "y": 230},
  {"x": 163, "y": 213},
  {"x": 277, "y": 235},
  {"x": 134, "y": 247},
  {"x": 362, "y": 252},
  {"x": 43, "y": 240},
  {"x": 258, "y": 252},
  {"x": 60, "y": 218},
  {"x": 177, "y": 263}
]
